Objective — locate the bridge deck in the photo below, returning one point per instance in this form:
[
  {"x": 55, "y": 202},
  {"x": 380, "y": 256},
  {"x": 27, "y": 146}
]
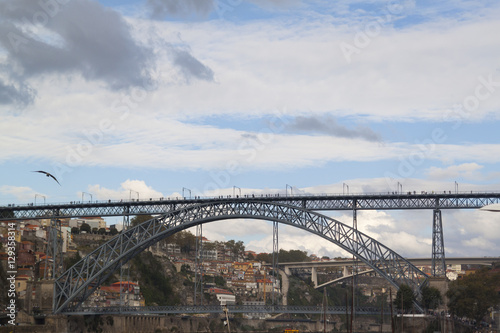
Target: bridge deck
[
  {"x": 152, "y": 206},
  {"x": 416, "y": 261},
  {"x": 202, "y": 309}
]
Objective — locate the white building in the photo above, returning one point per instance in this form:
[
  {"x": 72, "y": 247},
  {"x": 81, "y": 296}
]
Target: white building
[
  {"x": 95, "y": 222},
  {"x": 66, "y": 238},
  {"x": 226, "y": 299}
]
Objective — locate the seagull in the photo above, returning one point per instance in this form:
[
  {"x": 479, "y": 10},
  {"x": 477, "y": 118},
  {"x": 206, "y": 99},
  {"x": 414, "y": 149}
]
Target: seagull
[{"x": 48, "y": 175}]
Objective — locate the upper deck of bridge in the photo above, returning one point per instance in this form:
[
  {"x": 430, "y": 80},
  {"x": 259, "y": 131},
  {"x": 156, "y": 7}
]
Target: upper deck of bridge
[{"x": 152, "y": 206}]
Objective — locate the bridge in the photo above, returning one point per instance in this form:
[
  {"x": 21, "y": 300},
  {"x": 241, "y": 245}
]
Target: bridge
[
  {"x": 173, "y": 215},
  {"x": 314, "y": 265},
  {"x": 315, "y": 202}
]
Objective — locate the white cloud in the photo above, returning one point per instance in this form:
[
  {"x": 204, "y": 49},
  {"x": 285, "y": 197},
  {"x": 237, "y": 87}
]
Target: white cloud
[
  {"x": 480, "y": 243},
  {"x": 237, "y": 229},
  {"x": 292, "y": 238},
  {"x": 469, "y": 171},
  {"x": 129, "y": 189},
  {"x": 22, "y": 193},
  {"x": 296, "y": 69},
  {"x": 301, "y": 66}
]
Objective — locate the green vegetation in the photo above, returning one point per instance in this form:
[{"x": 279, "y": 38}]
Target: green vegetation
[
  {"x": 404, "y": 298},
  {"x": 218, "y": 280},
  {"x": 155, "y": 285},
  {"x": 474, "y": 294},
  {"x": 85, "y": 227},
  {"x": 285, "y": 256},
  {"x": 138, "y": 219},
  {"x": 293, "y": 256},
  {"x": 431, "y": 297},
  {"x": 185, "y": 239},
  {"x": 70, "y": 261}
]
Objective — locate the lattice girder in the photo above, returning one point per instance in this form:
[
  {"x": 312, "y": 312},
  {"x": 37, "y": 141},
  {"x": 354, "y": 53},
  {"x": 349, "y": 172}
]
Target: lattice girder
[
  {"x": 310, "y": 202},
  {"x": 79, "y": 281}
]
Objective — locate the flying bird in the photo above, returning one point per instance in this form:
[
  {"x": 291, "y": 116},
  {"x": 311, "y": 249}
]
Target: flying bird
[{"x": 48, "y": 175}]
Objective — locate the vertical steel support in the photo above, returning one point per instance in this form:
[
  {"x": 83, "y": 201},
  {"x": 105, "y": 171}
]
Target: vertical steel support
[
  {"x": 438, "y": 258},
  {"x": 198, "y": 283},
  {"x": 126, "y": 218},
  {"x": 54, "y": 250},
  {"x": 275, "y": 257},
  {"x": 354, "y": 258},
  {"x": 124, "y": 269}
]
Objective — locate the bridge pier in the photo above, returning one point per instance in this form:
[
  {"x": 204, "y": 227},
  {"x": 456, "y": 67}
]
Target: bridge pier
[
  {"x": 441, "y": 284},
  {"x": 345, "y": 271},
  {"x": 314, "y": 276},
  {"x": 438, "y": 258}
]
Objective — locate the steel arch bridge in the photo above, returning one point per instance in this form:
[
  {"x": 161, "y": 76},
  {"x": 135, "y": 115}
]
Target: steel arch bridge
[{"x": 80, "y": 281}]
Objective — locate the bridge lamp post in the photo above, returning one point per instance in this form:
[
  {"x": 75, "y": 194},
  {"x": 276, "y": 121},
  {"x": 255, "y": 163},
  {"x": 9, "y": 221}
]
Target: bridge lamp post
[
  {"x": 88, "y": 194},
  {"x": 186, "y": 190},
  {"x": 456, "y": 187},
  {"x": 400, "y": 186},
  {"x": 39, "y": 195},
  {"x": 130, "y": 195},
  {"x": 286, "y": 190},
  {"x": 344, "y": 186},
  {"x": 236, "y": 187}
]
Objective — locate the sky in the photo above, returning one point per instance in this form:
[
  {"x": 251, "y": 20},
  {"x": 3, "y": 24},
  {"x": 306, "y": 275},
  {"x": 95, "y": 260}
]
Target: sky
[{"x": 164, "y": 98}]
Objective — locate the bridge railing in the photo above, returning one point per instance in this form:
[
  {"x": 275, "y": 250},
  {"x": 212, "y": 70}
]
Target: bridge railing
[{"x": 249, "y": 196}]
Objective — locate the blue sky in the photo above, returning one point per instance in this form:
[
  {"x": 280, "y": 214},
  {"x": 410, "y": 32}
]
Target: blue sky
[{"x": 117, "y": 98}]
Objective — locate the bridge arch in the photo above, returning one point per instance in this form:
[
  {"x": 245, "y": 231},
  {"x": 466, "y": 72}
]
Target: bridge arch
[{"x": 80, "y": 280}]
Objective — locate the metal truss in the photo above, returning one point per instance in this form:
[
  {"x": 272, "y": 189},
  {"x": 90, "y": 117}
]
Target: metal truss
[
  {"x": 54, "y": 251},
  {"x": 198, "y": 280},
  {"x": 276, "y": 251},
  {"x": 79, "y": 281},
  {"x": 438, "y": 259},
  {"x": 311, "y": 202},
  {"x": 138, "y": 310}
]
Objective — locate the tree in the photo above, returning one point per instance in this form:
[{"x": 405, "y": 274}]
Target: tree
[
  {"x": 237, "y": 248},
  {"x": 219, "y": 281},
  {"x": 185, "y": 239},
  {"x": 293, "y": 256},
  {"x": 94, "y": 230},
  {"x": 472, "y": 295},
  {"x": 404, "y": 298},
  {"x": 431, "y": 297},
  {"x": 138, "y": 219},
  {"x": 70, "y": 261},
  {"x": 101, "y": 231},
  {"x": 75, "y": 230},
  {"x": 264, "y": 257},
  {"x": 209, "y": 246},
  {"x": 155, "y": 284},
  {"x": 85, "y": 227},
  {"x": 113, "y": 231}
]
